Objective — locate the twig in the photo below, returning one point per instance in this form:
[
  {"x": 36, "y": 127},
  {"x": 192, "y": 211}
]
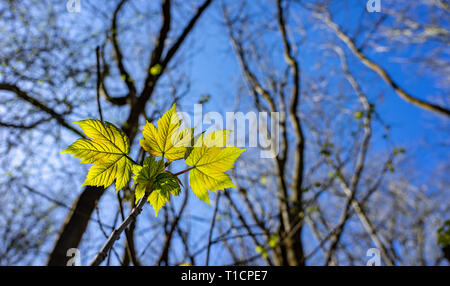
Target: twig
[
  {"x": 326, "y": 18},
  {"x": 103, "y": 230},
  {"x": 115, "y": 235},
  {"x": 182, "y": 172},
  {"x": 40, "y": 105},
  {"x": 59, "y": 203},
  {"x": 129, "y": 245},
  {"x": 99, "y": 83},
  {"x": 211, "y": 229}
]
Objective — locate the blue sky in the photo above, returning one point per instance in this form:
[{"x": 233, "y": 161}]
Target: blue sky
[{"x": 215, "y": 71}]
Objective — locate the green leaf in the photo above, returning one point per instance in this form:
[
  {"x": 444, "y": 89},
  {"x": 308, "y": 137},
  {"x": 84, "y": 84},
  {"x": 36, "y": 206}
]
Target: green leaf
[
  {"x": 273, "y": 241},
  {"x": 263, "y": 180},
  {"x": 326, "y": 148},
  {"x": 146, "y": 174},
  {"x": 167, "y": 140},
  {"x": 167, "y": 182},
  {"x": 210, "y": 160},
  {"x": 192, "y": 143},
  {"x": 204, "y": 99},
  {"x": 156, "y": 69},
  {"x": 163, "y": 184},
  {"x": 443, "y": 234},
  {"x": 261, "y": 250},
  {"x": 158, "y": 199},
  {"x": 399, "y": 150},
  {"x": 107, "y": 149},
  {"x": 358, "y": 115},
  {"x": 390, "y": 166},
  {"x": 312, "y": 209}
]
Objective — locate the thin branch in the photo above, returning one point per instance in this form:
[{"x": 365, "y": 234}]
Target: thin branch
[
  {"x": 211, "y": 228},
  {"x": 115, "y": 235},
  {"x": 129, "y": 245},
  {"x": 245, "y": 224},
  {"x": 326, "y": 18},
  {"x": 169, "y": 235},
  {"x": 97, "y": 53},
  {"x": 59, "y": 203},
  {"x": 120, "y": 60},
  {"x": 25, "y": 126},
  {"x": 174, "y": 48},
  {"x": 23, "y": 95},
  {"x": 295, "y": 249},
  {"x": 351, "y": 189}
]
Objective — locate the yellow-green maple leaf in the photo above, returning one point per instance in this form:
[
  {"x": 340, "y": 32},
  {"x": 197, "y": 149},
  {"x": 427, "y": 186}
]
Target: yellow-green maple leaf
[
  {"x": 163, "y": 184},
  {"x": 146, "y": 174},
  {"x": 210, "y": 159},
  {"x": 107, "y": 149},
  {"x": 167, "y": 140}
]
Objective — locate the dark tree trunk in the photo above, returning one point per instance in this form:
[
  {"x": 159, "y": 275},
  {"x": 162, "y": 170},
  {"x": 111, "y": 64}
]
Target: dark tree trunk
[{"x": 75, "y": 225}]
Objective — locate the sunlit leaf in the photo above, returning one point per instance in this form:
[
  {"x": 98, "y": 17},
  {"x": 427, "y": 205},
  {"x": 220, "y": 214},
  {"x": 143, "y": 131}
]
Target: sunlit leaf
[
  {"x": 146, "y": 174},
  {"x": 107, "y": 149},
  {"x": 165, "y": 185},
  {"x": 156, "y": 69},
  {"x": 167, "y": 140},
  {"x": 210, "y": 159}
]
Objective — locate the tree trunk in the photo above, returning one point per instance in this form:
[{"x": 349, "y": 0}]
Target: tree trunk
[{"x": 75, "y": 225}]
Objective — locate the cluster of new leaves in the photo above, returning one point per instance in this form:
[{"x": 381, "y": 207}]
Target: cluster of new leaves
[{"x": 208, "y": 157}]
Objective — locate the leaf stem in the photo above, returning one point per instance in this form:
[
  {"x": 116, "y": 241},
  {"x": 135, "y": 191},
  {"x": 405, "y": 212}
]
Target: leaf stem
[
  {"x": 184, "y": 171},
  {"x": 129, "y": 158}
]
